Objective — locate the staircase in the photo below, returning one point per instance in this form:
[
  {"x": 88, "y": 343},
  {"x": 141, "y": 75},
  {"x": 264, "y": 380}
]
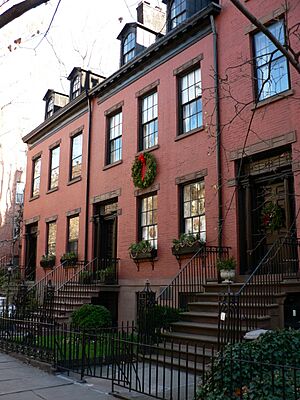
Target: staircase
[
  {"x": 66, "y": 288},
  {"x": 216, "y": 314}
]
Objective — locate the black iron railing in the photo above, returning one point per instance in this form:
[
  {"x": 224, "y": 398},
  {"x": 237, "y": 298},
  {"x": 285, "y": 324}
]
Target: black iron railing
[
  {"x": 83, "y": 284},
  {"x": 192, "y": 277},
  {"x": 168, "y": 370},
  {"x": 250, "y": 308}
]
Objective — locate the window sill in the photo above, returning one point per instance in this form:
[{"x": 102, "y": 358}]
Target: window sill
[
  {"x": 77, "y": 179},
  {"x": 190, "y": 133},
  {"x": 52, "y": 190},
  {"x": 274, "y": 98},
  {"x": 148, "y": 150},
  {"x": 34, "y": 197},
  {"x": 112, "y": 165}
]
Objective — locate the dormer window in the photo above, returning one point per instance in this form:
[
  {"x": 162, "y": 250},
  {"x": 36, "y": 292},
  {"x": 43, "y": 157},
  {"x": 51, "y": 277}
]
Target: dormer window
[
  {"x": 129, "y": 47},
  {"x": 178, "y": 12},
  {"x": 75, "y": 87},
  {"x": 50, "y": 108}
]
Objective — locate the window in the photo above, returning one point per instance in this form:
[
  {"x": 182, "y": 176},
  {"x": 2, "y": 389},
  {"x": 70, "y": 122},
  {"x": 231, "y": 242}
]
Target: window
[
  {"x": 129, "y": 47},
  {"x": 20, "y": 193},
  {"x": 271, "y": 65},
  {"x": 51, "y": 238},
  {"x": 75, "y": 87},
  {"x": 50, "y": 107},
  {"x": 149, "y": 128},
  {"x": 193, "y": 209},
  {"x": 115, "y": 138},
  {"x": 76, "y": 161},
  {"x": 73, "y": 234},
  {"x": 54, "y": 168},
  {"x": 178, "y": 12},
  {"x": 190, "y": 101},
  {"x": 148, "y": 219},
  {"x": 36, "y": 179}
]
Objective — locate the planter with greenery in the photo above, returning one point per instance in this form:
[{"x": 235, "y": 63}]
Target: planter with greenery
[
  {"x": 69, "y": 259},
  {"x": 227, "y": 268},
  {"x": 47, "y": 261},
  {"x": 85, "y": 277},
  {"x": 186, "y": 244},
  {"x": 142, "y": 250},
  {"x": 107, "y": 275}
]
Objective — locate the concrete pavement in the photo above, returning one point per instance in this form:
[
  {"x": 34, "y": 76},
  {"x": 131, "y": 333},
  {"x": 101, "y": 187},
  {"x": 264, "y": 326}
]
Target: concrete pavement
[{"x": 20, "y": 381}]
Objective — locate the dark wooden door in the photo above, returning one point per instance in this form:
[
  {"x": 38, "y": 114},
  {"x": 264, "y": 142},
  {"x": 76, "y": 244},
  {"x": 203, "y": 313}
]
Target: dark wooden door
[{"x": 30, "y": 251}]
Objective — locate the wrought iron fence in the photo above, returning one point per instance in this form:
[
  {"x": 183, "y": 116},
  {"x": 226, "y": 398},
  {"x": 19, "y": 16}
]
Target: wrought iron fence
[
  {"x": 250, "y": 307},
  {"x": 165, "y": 370}
]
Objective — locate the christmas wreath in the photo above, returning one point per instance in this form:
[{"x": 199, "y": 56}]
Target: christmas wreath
[
  {"x": 272, "y": 216},
  {"x": 143, "y": 170}
]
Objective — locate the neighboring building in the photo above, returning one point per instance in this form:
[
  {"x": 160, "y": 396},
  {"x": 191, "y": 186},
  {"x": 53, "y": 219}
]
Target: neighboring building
[
  {"x": 11, "y": 216},
  {"x": 80, "y": 195}
]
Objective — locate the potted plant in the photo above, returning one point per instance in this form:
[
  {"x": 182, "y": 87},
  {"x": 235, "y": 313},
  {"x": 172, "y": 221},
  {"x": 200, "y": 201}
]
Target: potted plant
[
  {"x": 47, "y": 261},
  {"x": 69, "y": 259},
  {"x": 85, "y": 277},
  {"x": 142, "y": 250},
  {"x": 186, "y": 244},
  {"x": 227, "y": 268},
  {"x": 107, "y": 275}
]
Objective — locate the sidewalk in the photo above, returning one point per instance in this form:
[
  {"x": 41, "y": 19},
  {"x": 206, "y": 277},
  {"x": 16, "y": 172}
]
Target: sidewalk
[{"x": 19, "y": 381}]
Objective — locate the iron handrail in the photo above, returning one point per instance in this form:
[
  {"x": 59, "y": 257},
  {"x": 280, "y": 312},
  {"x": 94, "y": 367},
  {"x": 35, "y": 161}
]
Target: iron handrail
[
  {"x": 249, "y": 307},
  {"x": 190, "y": 280}
]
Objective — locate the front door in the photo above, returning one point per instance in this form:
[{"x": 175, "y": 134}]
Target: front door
[
  {"x": 264, "y": 192},
  {"x": 30, "y": 251},
  {"x": 105, "y": 234}
]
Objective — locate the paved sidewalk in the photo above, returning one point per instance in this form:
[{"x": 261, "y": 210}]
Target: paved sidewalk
[{"x": 19, "y": 381}]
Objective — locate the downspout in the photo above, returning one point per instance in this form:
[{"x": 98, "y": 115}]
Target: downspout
[
  {"x": 218, "y": 132},
  {"x": 88, "y": 163}
]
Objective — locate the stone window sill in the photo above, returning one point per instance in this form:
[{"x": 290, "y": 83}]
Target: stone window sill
[
  {"x": 52, "y": 190},
  {"x": 34, "y": 197},
  {"x": 148, "y": 150},
  {"x": 190, "y": 133},
  {"x": 72, "y": 181},
  {"x": 112, "y": 165},
  {"x": 272, "y": 99}
]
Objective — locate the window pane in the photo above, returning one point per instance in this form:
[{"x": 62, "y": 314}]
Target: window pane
[
  {"x": 149, "y": 219},
  {"x": 194, "y": 208},
  {"x": 115, "y": 138},
  {"x": 51, "y": 245},
  {"x": 191, "y": 102},
  {"x": 271, "y": 65}
]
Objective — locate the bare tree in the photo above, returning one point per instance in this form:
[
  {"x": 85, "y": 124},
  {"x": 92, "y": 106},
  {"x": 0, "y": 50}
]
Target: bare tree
[{"x": 18, "y": 9}]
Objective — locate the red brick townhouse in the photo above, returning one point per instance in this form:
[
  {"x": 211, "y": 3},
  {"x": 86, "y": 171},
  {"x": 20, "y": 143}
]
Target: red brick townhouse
[{"x": 212, "y": 104}]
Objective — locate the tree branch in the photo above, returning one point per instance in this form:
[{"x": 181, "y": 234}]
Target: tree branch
[
  {"x": 18, "y": 10},
  {"x": 269, "y": 35}
]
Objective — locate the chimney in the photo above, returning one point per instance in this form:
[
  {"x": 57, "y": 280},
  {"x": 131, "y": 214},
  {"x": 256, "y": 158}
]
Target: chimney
[{"x": 153, "y": 18}]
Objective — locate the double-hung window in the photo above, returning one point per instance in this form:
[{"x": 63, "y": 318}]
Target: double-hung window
[
  {"x": 178, "y": 12},
  {"x": 129, "y": 47},
  {"x": 51, "y": 238},
  {"x": 148, "y": 219},
  {"x": 73, "y": 234},
  {"x": 149, "y": 124},
  {"x": 50, "y": 107},
  {"x": 190, "y": 98},
  {"x": 76, "y": 158},
  {"x": 75, "y": 92},
  {"x": 36, "y": 177},
  {"x": 271, "y": 65},
  {"x": 193, "y": 209},
  {"x": 114, "y": 138},
  {"x": 54, "y": 168}
]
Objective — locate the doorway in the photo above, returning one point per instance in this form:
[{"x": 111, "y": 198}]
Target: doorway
[
  {"x": 105, "y": 234},
  {"x": 266, "y": 184},
  {"x": 31, "y": 232}
]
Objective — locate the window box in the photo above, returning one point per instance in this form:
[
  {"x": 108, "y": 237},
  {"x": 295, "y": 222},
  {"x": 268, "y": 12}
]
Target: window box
[
  {"x": 145, "y": 256},
  {"x": 187, "y": 249},
  {"x": 142, "y": 250},
  {"x": 69, "y": 259},
  {"x": 47, "y": 261},
  {"x": 186, "y": 244}
]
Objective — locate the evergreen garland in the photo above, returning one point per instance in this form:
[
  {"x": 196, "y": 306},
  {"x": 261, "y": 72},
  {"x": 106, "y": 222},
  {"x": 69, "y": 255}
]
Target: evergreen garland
[{"x": 272, "y": 216}]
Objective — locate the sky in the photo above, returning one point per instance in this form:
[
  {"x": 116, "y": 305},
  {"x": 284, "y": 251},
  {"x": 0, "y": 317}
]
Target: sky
[{"x": 82, "y": 34}]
